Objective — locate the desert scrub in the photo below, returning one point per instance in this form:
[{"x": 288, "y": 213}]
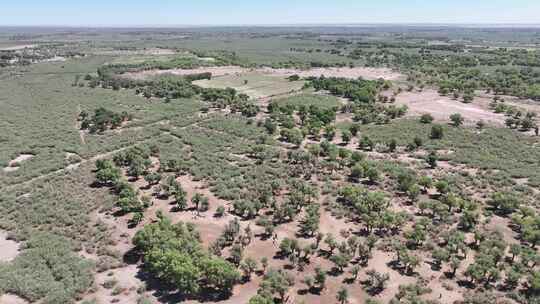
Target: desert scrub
[
  {"x": 489, "y": 149},
  {"x": 48, "y": 269}
]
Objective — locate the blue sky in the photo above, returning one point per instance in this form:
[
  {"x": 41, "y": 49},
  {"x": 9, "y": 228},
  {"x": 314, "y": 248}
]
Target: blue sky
[{"x": 232, "y": 12}]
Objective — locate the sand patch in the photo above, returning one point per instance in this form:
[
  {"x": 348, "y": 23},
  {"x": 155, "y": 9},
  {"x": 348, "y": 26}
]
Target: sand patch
[
  {"x": 146, "y": 52},
  {"x": 127, "y": 283},
  {"x": 216, "y": 72},
  {"x": 14, "y": 164},
  {"x": 8, "y": 249},
  {"x": 351, "y": 73},
  {"x": 18, "y": 47},
  {"x": 54, "y": 59},
  {"x": 208, "y": 59},
  {"x": 441, "y": 107},
  {"x": 12, "y": 299}
]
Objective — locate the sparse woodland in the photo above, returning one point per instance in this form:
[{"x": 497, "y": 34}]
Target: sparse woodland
[{"x": 331, "y": 193}]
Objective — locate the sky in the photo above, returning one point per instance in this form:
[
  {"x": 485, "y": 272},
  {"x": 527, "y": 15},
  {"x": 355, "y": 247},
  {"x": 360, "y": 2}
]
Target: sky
[{"x": 268, "y": 12}]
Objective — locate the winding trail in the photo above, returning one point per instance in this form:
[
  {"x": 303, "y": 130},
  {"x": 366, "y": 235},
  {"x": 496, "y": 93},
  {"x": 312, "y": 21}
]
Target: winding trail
[{"x": 77, "y": 125}]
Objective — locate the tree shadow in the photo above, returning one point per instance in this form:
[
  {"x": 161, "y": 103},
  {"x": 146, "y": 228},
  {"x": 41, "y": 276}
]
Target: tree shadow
[
  {"x": 169, "y": 294},
  {"x": 132, "y": 256},
  {"x": 335, "y": 271},
  {"x": 466, "y": 284},
  {"x": 433, "y": 265}
]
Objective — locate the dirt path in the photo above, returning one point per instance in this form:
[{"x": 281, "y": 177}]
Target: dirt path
[{"x": 78, "y": 126}]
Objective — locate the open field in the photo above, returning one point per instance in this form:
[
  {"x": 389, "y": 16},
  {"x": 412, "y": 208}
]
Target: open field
[
  {"x": 126, "y": 183},
  {"x": 441, "y": 107},
  {"x": 256, "y": 85},
  {"x": 345, "y": 72}
]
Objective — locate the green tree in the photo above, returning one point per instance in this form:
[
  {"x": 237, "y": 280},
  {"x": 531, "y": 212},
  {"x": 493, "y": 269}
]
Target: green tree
[
  {"x": 180, "y": 199},
  {"x": 372, "y": 174},
  {"x": 219, "y": 274},
  {"x": 457, "y": 119},
  {"x": 342, "y": 295},
  {"x": 426, "y": 118},
  {"x": 248, "y": 266},
  {"x": 437, "y": 132},
  {"x": 276, "y": 282},
  {"x": 376, "y": 281},
  {"x": 346, "y": 136},
  {"x": 431, "y": 159},
  {"x": 152, "y": 178},
  {"x": 320, "y": 277},
  {"x": 331, "y": 242},
  {"x": 340, "y": 260},
  {"x": 533, "y": 282},
  {"x": 259, "y": 299},
  {"x": 355, "y": 271}
]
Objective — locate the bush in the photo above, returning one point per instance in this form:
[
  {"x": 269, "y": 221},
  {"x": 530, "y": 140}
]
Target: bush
[
  {"x": 47, "y": 270},
  {"x": 437, "y": 132},
  {"x": 426, "y": 118},
  {"x": 457, "y": 119}
]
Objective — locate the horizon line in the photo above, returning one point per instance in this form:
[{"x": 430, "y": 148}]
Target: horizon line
[{"x": 411, "y": 24}]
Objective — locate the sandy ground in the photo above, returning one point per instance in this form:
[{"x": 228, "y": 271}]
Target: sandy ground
[
  {"x": 18, "y": 47},
  {"x": 8, "y": 249},
  {"x": 128, "y": 276},
  {"x": 524, "y": 104},
  {"x": 54, "y": 59},
  {"x": 14, "y": 164},
  {"x": 216, "y": 72},
  {"x": 441, "y": 107},
  {"x": 12, "y": 299},
  {"x": 151, "y": 51},
  {"x": 352, "y": 73}
]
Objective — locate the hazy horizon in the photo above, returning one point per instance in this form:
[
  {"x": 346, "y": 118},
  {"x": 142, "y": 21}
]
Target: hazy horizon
[{"x": 168, "y": 13}]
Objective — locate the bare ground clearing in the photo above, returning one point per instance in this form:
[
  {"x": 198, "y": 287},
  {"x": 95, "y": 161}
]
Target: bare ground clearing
[
  {"x": 216, "y": 72},
  {"x": 441, "y": 107},
  {"x": 15, "y": 163},
  {"x": 18, "y": 47},
  {"x": 149, "y": 51},
  {"x": 352, "y": 73},
  {"x": 8, "y": 249},
  {"x": 12, "y": 299}
]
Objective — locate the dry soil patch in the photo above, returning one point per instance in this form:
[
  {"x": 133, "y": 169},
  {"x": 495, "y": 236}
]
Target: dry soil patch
[
  {"x": 8, "y": 249},
  {"x": 441, "y": 107},
  {"x": 14, "y": 164},
  {"x": 18, "y": 47},
  {"x": 216, "y": 72},
  {"x": 351, "y": 73},
  {"x": 12, "y": 299}
]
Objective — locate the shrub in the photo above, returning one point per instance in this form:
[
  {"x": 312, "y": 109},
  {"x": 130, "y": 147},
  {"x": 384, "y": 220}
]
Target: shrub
[
  {"x": 426, "y": 118},
  {"x": 457, "y": 119},
  {"x": 437, "y": 132},
  {"x": 47, "y": 270}
]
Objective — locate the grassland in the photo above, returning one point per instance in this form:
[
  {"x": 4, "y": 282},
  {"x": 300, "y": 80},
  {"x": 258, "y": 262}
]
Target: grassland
[
  {"x": 495, "y": 149},
  {"x": 39, "y": 117},
  {"x": 255, "y": 85},
  {"x": 308, "y": 99}
]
